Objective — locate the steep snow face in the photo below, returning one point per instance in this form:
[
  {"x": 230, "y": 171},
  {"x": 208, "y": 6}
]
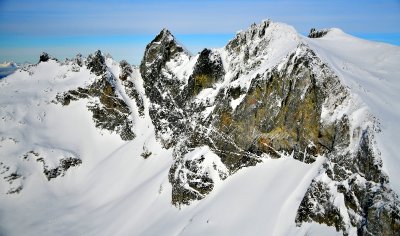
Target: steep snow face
[
  {"x": 263, "y": 137},
  {"x": 371, "y": 72}
]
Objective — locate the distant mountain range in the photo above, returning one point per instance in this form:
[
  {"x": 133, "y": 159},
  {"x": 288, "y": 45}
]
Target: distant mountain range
[{"x": 7, "y": 68}]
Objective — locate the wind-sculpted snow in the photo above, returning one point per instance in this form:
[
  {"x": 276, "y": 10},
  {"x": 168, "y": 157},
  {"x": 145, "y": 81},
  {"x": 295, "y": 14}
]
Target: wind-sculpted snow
[{"x": 266, "y": 136}]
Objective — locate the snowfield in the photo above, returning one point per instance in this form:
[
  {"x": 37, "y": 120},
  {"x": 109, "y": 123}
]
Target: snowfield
[{"x": 115, "y": 191}]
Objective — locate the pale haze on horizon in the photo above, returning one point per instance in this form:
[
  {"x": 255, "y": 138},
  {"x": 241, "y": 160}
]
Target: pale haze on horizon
[{"x": 123, "y": 28}]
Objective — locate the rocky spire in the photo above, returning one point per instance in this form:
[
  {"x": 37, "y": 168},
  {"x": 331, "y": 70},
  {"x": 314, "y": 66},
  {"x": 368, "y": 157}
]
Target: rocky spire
[
  {"x": 96, "y": 63},
  {"x": 160, "y": 50},
  {"x": 44, "y": 57},
  {"x": 162, "y": 86}
]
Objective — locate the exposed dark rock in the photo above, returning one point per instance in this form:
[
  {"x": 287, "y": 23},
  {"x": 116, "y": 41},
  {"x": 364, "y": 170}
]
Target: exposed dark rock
[
  {"x": 44, "y": 57},
  {"x": 371, "y": 205},
  {"x": 146, "y": 153},
  {"x": 235, "y": 92},
  {"x": 110, "y": 112},
  {"x": 79, "y": 60},
  {"x": 207, "y": 71},
  {"x": 162, "y": 49},
  {"x": 126, "y": 70},
  {"x": 163, "y": 88},
  {"x": 190, "y": 181},
  {"x": 60, "y": 170},
  {"x": 132, "y": 92},
  {"x": 318, "y": 205},
  {"x": 13, "y": 176},
  {"x": 16, "y": 178},
  {"x": 366, "y": 163},
  {"x": 279, "y": 114},
  {"x": 317, "y": 33},
  {"x": 96, "y": 63},
  {"x": 15, "y": 190}
]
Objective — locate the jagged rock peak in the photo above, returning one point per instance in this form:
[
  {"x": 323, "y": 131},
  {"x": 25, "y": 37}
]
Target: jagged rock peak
[
  {"x": 267, "y": 29},
  {"x": 263, "y": 44},
  {"x": 44, "y": 56},
  {"x": 165, "y": 37},
  {"x": 160, "y": 50},
  {"x": 164, "y": 34},
  {"x": 162, "y": 86},
  {"x": 207, "y": 70},
  {"x": 96, "y": 63},
  {"x": 209, "y": 62}
]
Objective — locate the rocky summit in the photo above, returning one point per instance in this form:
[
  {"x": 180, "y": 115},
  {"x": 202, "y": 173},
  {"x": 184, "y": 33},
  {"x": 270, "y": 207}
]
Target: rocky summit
[{"x": 199, "y": 122}]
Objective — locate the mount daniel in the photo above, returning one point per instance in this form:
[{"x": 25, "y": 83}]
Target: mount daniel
[{"x": 274, "y": 134}]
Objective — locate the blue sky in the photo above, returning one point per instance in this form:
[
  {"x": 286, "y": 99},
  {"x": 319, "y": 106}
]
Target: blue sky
[{"x": 124, "y": 27}]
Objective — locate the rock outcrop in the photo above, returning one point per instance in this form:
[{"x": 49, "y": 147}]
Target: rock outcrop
[
  {"x": 109, "y": 111},
  {"x": 317, "y": 33},
  {"x": 163, "y": 87}
]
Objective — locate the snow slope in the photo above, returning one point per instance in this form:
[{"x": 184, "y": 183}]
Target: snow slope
[
  {"x": 117, "y": 192},
  {"x": 372, "y": 72}
]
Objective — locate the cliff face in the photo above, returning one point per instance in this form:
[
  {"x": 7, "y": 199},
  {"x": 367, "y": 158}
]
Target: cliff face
[{"x": 267, "y": 95}]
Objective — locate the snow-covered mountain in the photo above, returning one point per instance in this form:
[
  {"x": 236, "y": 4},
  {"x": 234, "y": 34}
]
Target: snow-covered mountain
[{"x": 274, "y": 134}]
